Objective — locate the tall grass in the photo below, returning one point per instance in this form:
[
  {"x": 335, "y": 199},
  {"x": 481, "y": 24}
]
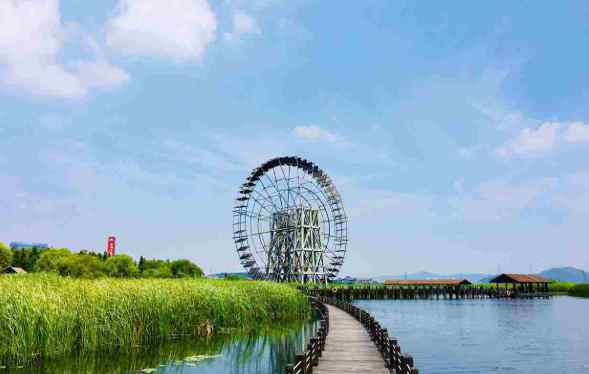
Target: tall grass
[{"x": 44, "y": 315}]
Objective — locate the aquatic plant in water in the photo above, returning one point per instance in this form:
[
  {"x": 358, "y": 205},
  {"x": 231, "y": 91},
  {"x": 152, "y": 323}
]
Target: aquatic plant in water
[{"x": 44, "y": 315}]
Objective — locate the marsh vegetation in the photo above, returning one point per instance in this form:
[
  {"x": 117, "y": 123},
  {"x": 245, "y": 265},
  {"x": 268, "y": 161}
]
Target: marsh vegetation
[{"x": 45, "y": 315}]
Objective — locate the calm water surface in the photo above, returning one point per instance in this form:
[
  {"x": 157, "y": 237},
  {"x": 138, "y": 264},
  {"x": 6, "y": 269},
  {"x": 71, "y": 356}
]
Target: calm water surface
[
  {"x": 267, "y": 351},
  {"x": 490, "y": 336}
]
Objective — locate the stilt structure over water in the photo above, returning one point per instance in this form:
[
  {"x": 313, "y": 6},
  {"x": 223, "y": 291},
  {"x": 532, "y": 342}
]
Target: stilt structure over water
[
  {"x": 515, "y": 286},
  {"x": 522, "y": 284}
]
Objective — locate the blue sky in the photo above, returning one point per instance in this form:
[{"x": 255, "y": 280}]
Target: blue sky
[{"x": 457, "y": 133}]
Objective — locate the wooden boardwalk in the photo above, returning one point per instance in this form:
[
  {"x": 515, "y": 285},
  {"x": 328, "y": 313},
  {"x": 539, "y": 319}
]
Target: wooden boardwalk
[{"x": 348, "y": 347}]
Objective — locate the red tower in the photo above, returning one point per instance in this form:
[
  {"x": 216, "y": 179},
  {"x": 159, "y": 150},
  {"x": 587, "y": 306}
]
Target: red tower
[{"x": 110, "y": 247}]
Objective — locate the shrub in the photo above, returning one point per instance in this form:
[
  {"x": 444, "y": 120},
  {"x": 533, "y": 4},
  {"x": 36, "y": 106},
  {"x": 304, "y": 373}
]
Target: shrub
[
  {"x": 53, "y": 260},
  {"x": 581, "y": 290},
  {"x": 185, "y": 268},
  {"x": 560, "y": 286},
  {"x": 121, "y": 266},
  {"x": 5, "y": 256}
]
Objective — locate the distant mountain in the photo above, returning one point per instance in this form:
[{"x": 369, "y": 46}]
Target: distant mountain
[
  {"x": 473, "y": 277},
  {"x": 566, "y": 274}
]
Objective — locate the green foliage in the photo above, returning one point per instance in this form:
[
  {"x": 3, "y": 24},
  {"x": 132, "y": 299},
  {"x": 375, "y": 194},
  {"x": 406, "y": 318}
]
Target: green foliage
[
  {"x": 26, "y": 258},
  {"x": 91, "y": 265},
  {"x": 234, "y": 277},
  {"x": 560, "y": 286},
  {"x": 5, "y": 256},
  {"x": 44, "y": 315},
  {"x": 63, "y": 262},
  {"x": 121, "y": 266},
  {"x": 173, "y": 269},
  {"x": 157, "y": 269},
  {"x": 84, "y": 266},
  {"x": 53, "y": 260},
  {"x": 141, "y": 265},
  {"x": 163, "y": 271},
  {"x": 580, "y": 290},
  {"x": 185, "y": 268}
]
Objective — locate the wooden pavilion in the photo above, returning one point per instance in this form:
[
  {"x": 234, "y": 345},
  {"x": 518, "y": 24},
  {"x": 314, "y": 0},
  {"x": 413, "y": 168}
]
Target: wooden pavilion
[{"x": 522, "y": 283}]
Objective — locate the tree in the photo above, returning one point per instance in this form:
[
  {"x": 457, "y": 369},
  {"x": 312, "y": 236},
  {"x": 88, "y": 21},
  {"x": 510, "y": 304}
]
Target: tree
[
  {"x": 156, "y": 269},
  {"x": 121, "y": 266},
  {"x": 141, "y": 264},
  {"x": 185, "y": 268},
  {"x": 35, "y": 253},
  {"x": 54, "y": 260},
  {"x": 83, "y": 266},
  {"x": 5, "y": 256},
  {"x": 160, "y": 272},
  {"x": 26, "y": 258}
]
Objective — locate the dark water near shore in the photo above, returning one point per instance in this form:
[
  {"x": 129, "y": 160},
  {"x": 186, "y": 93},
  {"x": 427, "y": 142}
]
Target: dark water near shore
[
  {"x": 538, "y": 336},
  {"x": 265, "y": 351}
]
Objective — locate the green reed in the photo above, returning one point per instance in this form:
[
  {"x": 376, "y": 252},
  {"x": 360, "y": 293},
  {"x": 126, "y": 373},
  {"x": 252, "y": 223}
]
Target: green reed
[
  {"x": 44, "y": 315},
  {"x": 580, "y": 290}
]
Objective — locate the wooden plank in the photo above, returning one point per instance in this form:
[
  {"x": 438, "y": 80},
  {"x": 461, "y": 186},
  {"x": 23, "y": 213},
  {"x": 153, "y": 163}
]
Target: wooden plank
[{"x": 348, "y": 348}]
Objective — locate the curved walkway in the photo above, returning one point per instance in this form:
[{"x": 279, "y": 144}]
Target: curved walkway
[{"x": 348, "y": 348}]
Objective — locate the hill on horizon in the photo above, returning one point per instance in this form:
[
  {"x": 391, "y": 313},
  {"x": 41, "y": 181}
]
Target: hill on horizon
[
  {"x": 472, "y": 277},
  {"x": 566, "y": 274}
]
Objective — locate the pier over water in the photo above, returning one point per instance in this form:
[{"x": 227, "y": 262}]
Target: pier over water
[{"x": 348, "y": 348}]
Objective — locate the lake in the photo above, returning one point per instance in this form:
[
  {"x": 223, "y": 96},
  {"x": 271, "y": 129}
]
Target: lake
[
  {"x": 489, "y": 336},
  {"x": 264, "y": 351}
]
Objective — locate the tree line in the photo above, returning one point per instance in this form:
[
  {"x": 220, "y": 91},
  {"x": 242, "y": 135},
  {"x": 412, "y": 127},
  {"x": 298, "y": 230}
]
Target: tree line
[{"x": 90, "y": 264}]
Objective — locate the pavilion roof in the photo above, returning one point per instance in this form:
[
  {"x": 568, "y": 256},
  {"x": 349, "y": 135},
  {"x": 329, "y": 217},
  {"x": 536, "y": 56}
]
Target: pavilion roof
[{"x": 519, "y": 278}]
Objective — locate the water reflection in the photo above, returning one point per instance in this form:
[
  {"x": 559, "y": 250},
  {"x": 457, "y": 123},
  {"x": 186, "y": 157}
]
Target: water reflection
[{"x": 262, "y": 351}]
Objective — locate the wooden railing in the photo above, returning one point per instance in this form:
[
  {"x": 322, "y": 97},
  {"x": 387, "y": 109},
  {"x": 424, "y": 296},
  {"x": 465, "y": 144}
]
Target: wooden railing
[
  {"x": 395, "y": 361},
  {"x": 305, "y": 361}
]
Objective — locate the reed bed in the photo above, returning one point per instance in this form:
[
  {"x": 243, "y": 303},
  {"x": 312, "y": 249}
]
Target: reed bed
[
  {"x": 45, "y": 315},
  {"x": 560, "y": 287},
  {"x": 580, "y": 290}
]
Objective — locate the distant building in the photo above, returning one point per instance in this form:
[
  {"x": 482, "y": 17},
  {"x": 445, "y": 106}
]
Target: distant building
[
  {"x": 352, "y": 280},
  {"x": 21, "y": 245},
  {"x": 13, "y": 270}
]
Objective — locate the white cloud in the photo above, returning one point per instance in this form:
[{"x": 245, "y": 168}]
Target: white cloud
[
  {"x": 548, "y": 136},
  {"x": 577, "y": 132},
  {"x": 531, "y": 141},
  {"x": 100, "y": 74},
  {"x": 315, "y": 133},
  {"x": 176, "y": 29},
  {"x": 32, "y": 37},
  {"x": 242, "y": 24}
]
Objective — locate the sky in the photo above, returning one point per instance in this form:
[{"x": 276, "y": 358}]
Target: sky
[{"x": 457, "y": 133}]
